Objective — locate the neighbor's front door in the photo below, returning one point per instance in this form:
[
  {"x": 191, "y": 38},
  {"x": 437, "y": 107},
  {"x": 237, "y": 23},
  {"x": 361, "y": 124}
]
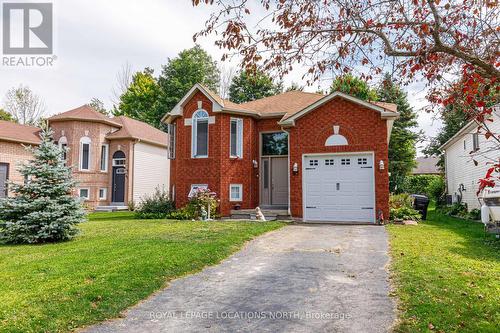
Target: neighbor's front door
[{"x": 118, "y": 184}]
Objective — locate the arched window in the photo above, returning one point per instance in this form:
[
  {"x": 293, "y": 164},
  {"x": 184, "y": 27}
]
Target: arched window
[
  {"x": 118, "y": 158},
  {"x": 63, "y": 144},
  {"x": 85, "y": 153},
  {"x": 199, "y": 137}
]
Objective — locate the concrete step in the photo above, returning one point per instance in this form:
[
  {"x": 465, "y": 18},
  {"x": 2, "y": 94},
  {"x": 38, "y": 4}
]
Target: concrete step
[
  {"x": 110, "y": 208},
  {"x": 269, "y": 214}
]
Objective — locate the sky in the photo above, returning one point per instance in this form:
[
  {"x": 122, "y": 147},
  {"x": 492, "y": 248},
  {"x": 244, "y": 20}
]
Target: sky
[{"x": 94, "y": 39}]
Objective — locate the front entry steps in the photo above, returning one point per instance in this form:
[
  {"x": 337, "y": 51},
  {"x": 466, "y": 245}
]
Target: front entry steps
[
  {"x": 269, "y": 214},
  {"x": 112, "y": 208}
]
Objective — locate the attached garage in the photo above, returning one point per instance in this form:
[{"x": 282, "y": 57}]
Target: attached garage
[{"x": 339, "y": 187}]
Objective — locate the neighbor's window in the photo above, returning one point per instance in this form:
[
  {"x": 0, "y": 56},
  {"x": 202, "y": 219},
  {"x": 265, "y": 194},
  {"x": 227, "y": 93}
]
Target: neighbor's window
[
  {"x": 274, "y": 144},
  {"x": 236, "y": 137},
  {"x": 199, "y": 142},
  {"x": 103, "y": 193},
  {"x": 196, "y": 187},
  {"x": 104, "y": 157},
  {"x": 84, "y": 193},
  {"x": 85, "y": 153},
  {"x": 236, "y": 192},
  {"x": 475, "y": 141},
  {"x": 63, "y": 144}
]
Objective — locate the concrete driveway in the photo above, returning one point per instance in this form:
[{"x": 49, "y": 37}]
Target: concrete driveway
[{"x": 301, "y": 278}]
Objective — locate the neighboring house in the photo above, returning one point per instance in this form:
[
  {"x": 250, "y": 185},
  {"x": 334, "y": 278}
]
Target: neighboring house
[
  {"x": 426, "y": 166},
  {"x": 462, "y": 174},
  {"x": 115, "y": 160},
  {"x": 322, "y": 158},
  {"x": 12, "y": 153}
]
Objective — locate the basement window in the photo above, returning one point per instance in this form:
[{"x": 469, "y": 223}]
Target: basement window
[{"x": 236, "y": 192}]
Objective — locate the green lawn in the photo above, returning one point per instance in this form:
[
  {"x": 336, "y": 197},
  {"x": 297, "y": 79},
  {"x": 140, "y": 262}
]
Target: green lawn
[
  {"x": 114, "y": 263},
  {"x": 447, "y": 276}
]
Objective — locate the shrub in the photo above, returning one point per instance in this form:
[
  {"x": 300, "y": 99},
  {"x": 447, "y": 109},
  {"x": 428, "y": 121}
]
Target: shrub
[
  {"x": 433, "y": 186},
  {"x": 181, "y": 214},
  {"x": 155, "y": 206},
  {"x": 437, "y": 190},
  {"x": 474, "y": 214},
  {"x": 201, "y": 200},
  {"x": 456, "y": 209},
  {"x": 401, "y": 207}
]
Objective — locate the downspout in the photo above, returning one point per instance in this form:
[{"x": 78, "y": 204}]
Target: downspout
[{"x": 288, "y": 169}]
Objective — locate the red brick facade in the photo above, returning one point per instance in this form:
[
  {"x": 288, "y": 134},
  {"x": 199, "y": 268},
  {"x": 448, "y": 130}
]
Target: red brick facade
[
  {"x": 13, "y": 154},
  {"x": 364, "y": 129}
]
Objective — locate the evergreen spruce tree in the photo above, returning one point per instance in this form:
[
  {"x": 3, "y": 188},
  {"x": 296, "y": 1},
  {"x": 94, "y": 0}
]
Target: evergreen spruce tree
[
  {"x": 43, "y": 209},
  {"x": 402, "y": 149}
]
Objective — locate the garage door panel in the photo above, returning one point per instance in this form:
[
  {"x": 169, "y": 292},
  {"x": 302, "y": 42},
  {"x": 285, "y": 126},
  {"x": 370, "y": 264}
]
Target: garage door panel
[{"x": 339, "y": 188}]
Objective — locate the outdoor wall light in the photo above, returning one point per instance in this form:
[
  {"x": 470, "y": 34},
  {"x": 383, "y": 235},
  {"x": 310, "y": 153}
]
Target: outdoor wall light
[
  {"x": 381, "y": 165},
  {"x": 295, "y": 168},
  {"x": 255, "y": 164}
]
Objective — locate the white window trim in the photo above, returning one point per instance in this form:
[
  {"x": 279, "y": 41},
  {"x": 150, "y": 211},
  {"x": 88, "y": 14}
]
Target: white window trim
[
  {"x": 195, "y": 187},
  {"x": 106, "y": 158},
  {"x": 105, "y": 193},
  {"x": 85, "y": 140},
  {"x": 239, "y": 138},
  {"x": 240, "y": 186},
  {"x": 80, "y": 193},
  {"x": 171, "y": 143},
  {"x": 194, "y": 134}
]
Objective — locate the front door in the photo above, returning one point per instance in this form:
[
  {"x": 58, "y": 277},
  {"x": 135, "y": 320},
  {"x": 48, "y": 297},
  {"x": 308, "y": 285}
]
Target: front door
[
  {"x": 118, "y": 184},
  {"x": 274, "y": 181},
  {"x": 4, "y": 175}
]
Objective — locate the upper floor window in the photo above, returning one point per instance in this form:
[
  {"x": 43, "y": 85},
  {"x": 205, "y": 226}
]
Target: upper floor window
[
  {"x": 85, "y": 153},
  {"x": 236, "y": 137},
  {"x": 199, "y": 140},
  {"x": 104, "y": 157},
  {"x": 475, "y": 142},
  {"x": 63, "y": 144}
]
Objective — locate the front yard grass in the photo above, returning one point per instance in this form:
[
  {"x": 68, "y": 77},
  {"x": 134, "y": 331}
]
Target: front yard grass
[
  {"x": 447, "y": 276},
  {"x": 114, "y": 263}
]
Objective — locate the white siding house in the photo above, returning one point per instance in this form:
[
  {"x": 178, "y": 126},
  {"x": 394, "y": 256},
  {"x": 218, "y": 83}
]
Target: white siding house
[
  {"x": 462, "y": 174},
  {"x": 151, "y": 169}
]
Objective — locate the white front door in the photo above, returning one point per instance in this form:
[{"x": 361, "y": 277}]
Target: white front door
[{"x": 339, "y": 187}]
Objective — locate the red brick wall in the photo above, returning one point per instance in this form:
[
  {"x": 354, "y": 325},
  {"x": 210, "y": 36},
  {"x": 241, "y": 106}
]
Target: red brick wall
[{"x": 364, "y": 130}]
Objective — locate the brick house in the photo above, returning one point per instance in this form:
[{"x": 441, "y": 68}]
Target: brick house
[
  {"x": 115, "y": 160},
  {"x": 12, "y": 153},
  {"x": 319, "y": 158}
]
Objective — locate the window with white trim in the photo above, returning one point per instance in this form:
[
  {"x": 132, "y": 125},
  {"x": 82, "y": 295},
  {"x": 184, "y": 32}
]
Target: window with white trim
[
  {"x": 84, "y": 193},
  {"x": 235, "y": 192},
  {"x": 103, "y": 193},
  {"x": 236, "y": 138},
  {"x": 345, "y": 161},
  {"x": 330, "y": 162},
  {"x": 199, "y": 136},
  {"x": 85, "y": 153},
  {"x": 313, "y": 162},
  {"x": 196, "y": 187},
  {"x": 63, "y": 144},
  {"x": 475, "y": 141},
  {"x": 362, "y": 161},
  {"x": 104, "y": 157},
  {"x": 171, "y": 142}
]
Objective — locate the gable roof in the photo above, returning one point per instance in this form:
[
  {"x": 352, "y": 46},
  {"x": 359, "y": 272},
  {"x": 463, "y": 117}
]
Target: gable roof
[
  {"x": 84, "y": 113},
  {"x": 426, "y": 166},
  {"x": 135, "y": 129},
  {"x": 14, "y": 132},
  {"x": 289, "y": 105}
]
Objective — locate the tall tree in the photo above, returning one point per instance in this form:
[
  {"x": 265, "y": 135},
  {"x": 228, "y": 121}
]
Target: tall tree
[
  {"x": 43, "y": 209},
  {"x": 354, "y": 86},
  {"x": 439, "y": 41},
  {"x": 98, "y": 105},
  {"x": 123, "y": 80},
  {"x": 24, "y": 105},
  {"x": 191, "y": 66},
  {"x": 402, "y": 149},
  {"x": 141, "y": 100},
  {"x": 294, "y": 86},
  {"x": 249, "y": 86},
  {"x": 5, "y": 116}
]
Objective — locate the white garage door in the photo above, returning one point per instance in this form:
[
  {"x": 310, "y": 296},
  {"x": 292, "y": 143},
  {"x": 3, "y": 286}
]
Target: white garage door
[{"x": 339, "y": 188}]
